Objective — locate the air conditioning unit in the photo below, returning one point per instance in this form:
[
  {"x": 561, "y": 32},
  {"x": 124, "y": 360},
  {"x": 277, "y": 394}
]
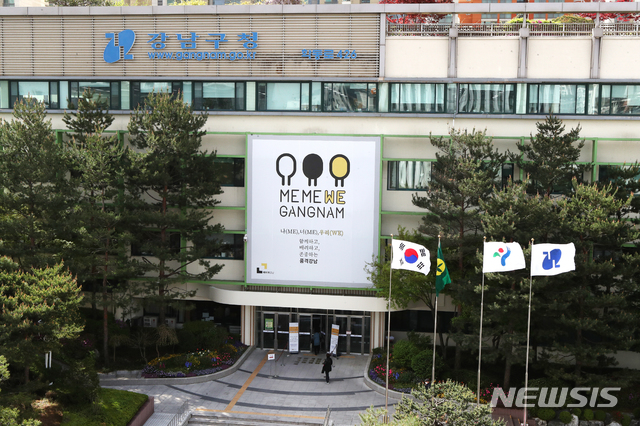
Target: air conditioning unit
[
  {"x": 150, "y": 322},
  {"x": 170, "y": 322}
]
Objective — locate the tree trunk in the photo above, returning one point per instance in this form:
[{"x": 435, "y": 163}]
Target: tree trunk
[
  {"x": 105, "y": 312},
  {"x": 506, "y": 380}
]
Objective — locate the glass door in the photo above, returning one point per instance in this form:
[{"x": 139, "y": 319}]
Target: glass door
[
  {"x": 304, "y": 336},
  {"x": 355, "y": 338},
  {"x": 343, "y": 322},
  {"x": 268, "y": 330},
  {"x": 283, "y": 332}
]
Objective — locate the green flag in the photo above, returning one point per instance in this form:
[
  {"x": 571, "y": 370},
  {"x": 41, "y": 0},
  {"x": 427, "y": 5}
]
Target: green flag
[{"x": 442, "y": 273}]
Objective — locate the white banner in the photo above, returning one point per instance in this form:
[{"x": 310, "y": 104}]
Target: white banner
[
  {"x": 313, "y": 209},
  {"x": 335, "y": 331},
  {"x": 552, "y": 259},
  {"x": 293, "y": 338}
]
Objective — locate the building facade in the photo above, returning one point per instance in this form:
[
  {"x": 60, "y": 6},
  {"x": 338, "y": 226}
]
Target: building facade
[{"x": 321, "y": 117}]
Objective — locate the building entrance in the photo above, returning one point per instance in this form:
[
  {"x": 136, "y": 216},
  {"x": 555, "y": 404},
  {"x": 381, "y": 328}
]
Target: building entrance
[{"x": 354, "y": 335}]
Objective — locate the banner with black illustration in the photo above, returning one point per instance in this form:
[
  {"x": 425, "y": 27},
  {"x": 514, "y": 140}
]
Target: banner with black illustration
[{"x": 313, "y": 209}]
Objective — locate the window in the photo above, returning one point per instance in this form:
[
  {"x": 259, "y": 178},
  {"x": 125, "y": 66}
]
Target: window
[
  {"x": 144, "y": 246},
  {"x": 219, "y": 96},
  {"x": 409, "y": 175},
  {"x": 557, "y": 99},
  {"x": 620, "y": 99},
  {"x": 610, "y": 173},
  {"x": 232, "y": 247},
  {"x": 283, "y": 96},
  {"x": 350, "y": 97},
  {"x": 140, "y": 90},
  {"x": 230, "y": 171},
  {"x": 487, "y": 98},
  {"x": 107, "y": 92},
  {"x": 417, "y": 97},
  {"x": 43, "y": 91}
]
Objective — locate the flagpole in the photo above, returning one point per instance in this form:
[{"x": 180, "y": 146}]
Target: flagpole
[
  {"x": 526, "y": 368},
  {"x": 435, "y": 328},
  {"x": 480, "y": 342},
  {"x": 386, "y": 387}
]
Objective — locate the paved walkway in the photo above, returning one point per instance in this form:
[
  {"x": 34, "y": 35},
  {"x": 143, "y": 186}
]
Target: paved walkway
[{"x": 288, "y": 389}]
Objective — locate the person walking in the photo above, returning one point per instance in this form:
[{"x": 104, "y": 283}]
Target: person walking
[
  {"x": 316, "y": 342},
  {"x": 326, "y": 366}
]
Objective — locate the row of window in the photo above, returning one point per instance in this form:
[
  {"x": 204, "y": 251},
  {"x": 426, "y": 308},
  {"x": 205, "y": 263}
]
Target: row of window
[
  {"x": 401, "y": 175},
  {"x": 232, "y": 246},
  {"x": 462, "y": 98}
]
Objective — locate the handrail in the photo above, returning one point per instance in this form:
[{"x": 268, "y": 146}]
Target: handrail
[
  {"x": 327, "y": 416},
  {"x": 536, "y": 29},
  {"x": 182, "y": 416}
]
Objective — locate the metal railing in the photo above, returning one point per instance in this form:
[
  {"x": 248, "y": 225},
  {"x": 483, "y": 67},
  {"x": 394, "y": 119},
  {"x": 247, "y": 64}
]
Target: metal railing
[
  {"x": 488, "y": 30},
  {"x": 628, "y": 29},
  {"x": 182, "y": 416},
  {"x": 418, "y": 30}
]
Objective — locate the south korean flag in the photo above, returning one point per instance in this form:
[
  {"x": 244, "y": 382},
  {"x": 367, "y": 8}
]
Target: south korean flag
[{"x": 410, "y": 256}]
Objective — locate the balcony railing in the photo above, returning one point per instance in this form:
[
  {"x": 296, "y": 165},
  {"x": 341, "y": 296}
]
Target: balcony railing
[{"x": 623, "y": 29}]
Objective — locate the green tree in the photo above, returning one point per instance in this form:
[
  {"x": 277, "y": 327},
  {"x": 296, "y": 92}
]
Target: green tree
[
  {"x": 105, "y": 209},
  {"x": 9, "y": 416},
  {"x": 511, "y": 215},
  {"x": 466, "y": 169},
  {"x": 38, "y": 308},
  {"x": 37, "y": 196},
  {"x": 589, "y": 306},
  {"x": 551, "y": 157},
  {"x": 444, "y": 400},
  {"x": 180, "y": 180}
]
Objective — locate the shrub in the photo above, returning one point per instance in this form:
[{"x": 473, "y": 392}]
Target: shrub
[
  {"x": 587, "y": 414},
  {"x": 422, "y": 363},
  {"x": 600, "y": 415},
  {"x": 546, "y": 414},
  {"x": 576, "y": 412},
  {"x": 403, "y": 353},
  {"x": 626, "y": 420},
  {"x": 196, "y": 335},
  {"x": 636, "y": 413},
  {"x": 80, "y": 383},
  {"x": 565, "y": 417},
  {"x": 420, "y": 341}
]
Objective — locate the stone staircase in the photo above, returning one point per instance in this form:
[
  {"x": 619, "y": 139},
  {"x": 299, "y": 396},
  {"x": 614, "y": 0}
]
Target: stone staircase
[{"x": 511, "y": 417}]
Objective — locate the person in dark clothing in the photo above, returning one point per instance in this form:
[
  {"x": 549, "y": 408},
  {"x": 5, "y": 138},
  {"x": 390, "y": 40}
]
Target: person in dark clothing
[
  {"x": 326, "y": 366},
  {"x": 316, "y": 342}
]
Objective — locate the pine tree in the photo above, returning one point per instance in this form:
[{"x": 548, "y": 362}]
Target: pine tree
[
  {"x": 589, "y": 307},
  {"x": 38, "y": 308},
  {"x": 512, "y": 215},
  {"x": 105, "y": 211},
  {"x": 466, "y": 169},
  {"x": 550, "y": 158},
  {"x": 181, "y": 181},
  {"x": 37, "y": 197}
]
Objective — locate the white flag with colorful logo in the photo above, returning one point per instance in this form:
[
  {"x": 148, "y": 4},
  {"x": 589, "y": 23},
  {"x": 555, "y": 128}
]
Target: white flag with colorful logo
[
  {"x": 410, "y": 256},
  {"x": 552, "y": 259},
  {"x": 502, "y": 257}
]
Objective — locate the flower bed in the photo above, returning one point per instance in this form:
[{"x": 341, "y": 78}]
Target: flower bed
[{"x": 198, "y": 363}]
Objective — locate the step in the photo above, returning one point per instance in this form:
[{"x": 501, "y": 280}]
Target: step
[{"x": 233, "y": 419}]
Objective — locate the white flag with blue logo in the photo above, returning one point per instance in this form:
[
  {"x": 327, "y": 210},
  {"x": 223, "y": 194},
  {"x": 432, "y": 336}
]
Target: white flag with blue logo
[
  {"x": 502, "y": 257},
  {"x": 410, "y": 256},
  {"x": 552, "y": 259}
]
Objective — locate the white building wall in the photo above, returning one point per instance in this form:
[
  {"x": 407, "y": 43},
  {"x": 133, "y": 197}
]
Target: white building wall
[
  {"x": 417, "y": 57},
  {"x": 485, "y": 57},
  {"x": 559, "y": 58}
]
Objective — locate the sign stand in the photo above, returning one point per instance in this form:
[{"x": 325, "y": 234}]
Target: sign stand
[{"x": 272, "y": 357}]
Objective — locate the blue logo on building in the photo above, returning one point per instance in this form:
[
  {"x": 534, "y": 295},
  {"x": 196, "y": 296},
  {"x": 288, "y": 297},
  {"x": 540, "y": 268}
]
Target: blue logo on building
[{"x": 114, "y": 52}]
